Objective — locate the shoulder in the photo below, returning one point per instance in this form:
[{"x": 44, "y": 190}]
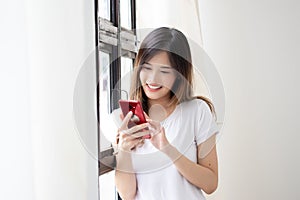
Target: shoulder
[
  {"x": 197, "y": 108},
  {"x": 196, "y": 104}
]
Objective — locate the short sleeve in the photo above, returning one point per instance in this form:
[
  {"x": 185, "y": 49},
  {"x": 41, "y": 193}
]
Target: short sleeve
[{"x": 205, "y": 125}]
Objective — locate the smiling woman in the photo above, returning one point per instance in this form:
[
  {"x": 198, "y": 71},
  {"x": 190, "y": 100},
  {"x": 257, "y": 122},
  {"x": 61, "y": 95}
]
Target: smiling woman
[
  {"x": 173, "y": 157},
  {"x": 162, "y": 81}
]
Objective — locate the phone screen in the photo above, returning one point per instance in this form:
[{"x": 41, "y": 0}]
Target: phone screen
[{"x": 135, "y": 107}]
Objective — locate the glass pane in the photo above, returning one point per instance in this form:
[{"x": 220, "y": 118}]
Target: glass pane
[
  {"x": 104, "y": 9},
  {"x": 125, "y": 7},
  {"x": 104, "y": 97},
  {"x": 126, "y": 69}
]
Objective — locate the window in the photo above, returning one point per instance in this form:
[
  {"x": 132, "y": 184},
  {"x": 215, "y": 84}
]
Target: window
[
  {"x": 126, "y": 68},
  {"x": 117, "y": 47},
  {"x": 104, "y": 9},
  {"x": 125, "y": 8}
]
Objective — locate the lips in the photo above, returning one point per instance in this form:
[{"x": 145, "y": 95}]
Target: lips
[{"x": 153, "y": 87}]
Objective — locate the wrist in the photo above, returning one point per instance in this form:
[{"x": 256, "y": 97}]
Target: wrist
[
  {"x": 124, "y": 161},
  {"x": 171, "y": 152}
]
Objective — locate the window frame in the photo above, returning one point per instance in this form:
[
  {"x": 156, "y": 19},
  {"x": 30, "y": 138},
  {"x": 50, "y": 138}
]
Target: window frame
[{"x": 118, "y": 42}]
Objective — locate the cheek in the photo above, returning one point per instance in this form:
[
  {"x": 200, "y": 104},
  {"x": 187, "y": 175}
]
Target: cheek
[
  {"x": 169, "y": 82},
  {"x": 142, "y": 77}
]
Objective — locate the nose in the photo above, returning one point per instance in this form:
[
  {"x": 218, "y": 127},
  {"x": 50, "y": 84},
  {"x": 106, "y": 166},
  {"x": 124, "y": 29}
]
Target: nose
[{"x": 154, "y": 77}]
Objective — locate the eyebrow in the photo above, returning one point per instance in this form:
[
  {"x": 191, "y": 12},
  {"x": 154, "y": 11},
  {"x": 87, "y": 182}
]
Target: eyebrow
[{"x": 161, "y": 66}]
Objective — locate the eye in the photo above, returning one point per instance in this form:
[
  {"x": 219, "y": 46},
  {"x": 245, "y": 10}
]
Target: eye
[
  {"x": 146, "y": 67},
  {"x": 165, "y": 72}
]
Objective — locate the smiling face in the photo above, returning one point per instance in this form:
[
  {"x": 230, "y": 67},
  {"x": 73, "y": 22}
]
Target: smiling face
[{"x": 157, "y": 78}]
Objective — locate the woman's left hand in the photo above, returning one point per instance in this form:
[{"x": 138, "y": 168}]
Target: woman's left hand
[{"x": 158, "y": 136}]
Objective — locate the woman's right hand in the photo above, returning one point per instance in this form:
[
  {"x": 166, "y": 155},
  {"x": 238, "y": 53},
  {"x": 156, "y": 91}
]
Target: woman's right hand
[{"x": 129, "y": 138}]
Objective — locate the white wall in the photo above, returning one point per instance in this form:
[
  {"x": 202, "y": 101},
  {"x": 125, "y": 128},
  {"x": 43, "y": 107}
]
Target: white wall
[
  {"x": 43, "y": 47},
  {"x": 181, "y": 14},
  {"x": 255, "y": 46},
  {"x": 16, "y": 168},
  {"x": 61, "y": 37}
]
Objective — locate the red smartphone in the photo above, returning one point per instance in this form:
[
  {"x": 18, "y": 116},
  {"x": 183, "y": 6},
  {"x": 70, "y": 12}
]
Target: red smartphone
[{"x": 138, "y": 116}]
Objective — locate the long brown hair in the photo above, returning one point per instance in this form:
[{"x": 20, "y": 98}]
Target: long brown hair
[{"x": 175, "y": 44}]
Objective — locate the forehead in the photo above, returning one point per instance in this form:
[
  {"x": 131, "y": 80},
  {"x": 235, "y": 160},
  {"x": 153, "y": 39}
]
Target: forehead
[{"x": 160, "y": 58}]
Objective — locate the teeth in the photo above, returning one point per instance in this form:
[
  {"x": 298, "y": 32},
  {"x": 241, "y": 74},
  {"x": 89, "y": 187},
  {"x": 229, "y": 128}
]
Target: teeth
[{"x": 154, "y": 87}]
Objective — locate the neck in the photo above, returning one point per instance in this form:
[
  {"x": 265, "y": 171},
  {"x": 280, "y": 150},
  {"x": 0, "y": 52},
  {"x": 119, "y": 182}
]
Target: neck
[
  {"x": 163, "y": 101},
  {"x": 161, "y": 106}
]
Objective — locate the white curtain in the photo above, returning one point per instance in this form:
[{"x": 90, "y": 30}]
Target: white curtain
[{"x": 180, "y": 14}]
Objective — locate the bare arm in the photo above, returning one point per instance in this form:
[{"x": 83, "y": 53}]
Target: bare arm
[
  {"x": 125, "y": 179},
  {"x": 128, "y": 139},
  {"x": 204, "y": 173}
]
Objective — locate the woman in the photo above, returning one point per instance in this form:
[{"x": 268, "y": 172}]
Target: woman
[{"x": 182, "y": 127}]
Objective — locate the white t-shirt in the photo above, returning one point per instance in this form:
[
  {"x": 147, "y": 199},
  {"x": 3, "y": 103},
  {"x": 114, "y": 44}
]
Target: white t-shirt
[{"x": 190, "y": 124}]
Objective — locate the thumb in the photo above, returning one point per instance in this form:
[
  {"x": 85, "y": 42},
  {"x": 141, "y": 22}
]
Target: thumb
[
  {"x": 126, "y": 120},
  {"x": 147, "y": 117},
  {"x": 162, "y": 130},
  {"x": 121, "y": 116}
]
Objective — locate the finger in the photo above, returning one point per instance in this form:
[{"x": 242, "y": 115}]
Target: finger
[
  {"x": 126, "y": 120},
  {"x": 133, "y": 143},
  {"x": 140, "y": 134},
  {"x": 127, "y": 137},
  {"x": 154, "y": 123},
  {"x": 147, "y": 117},
  {"x": 117, "y": 138},
  {"x": 141, "y": 143},
  {"x": 154, "y": 126},
  {"x": 136, "y": 142},
  {"x": 121, "y": 116},
  {"x": 138, "y": 128},
  {"x": 160, "y": 130}
]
